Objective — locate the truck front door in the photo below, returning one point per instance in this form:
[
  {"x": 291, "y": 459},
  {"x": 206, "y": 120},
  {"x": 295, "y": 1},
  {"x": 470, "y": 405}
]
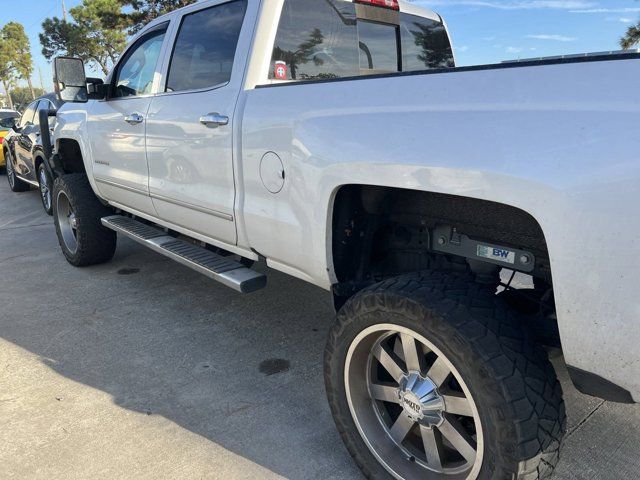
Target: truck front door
[
  {"x": 117, "y": 125},
  {"x": 190, "y": 123}
]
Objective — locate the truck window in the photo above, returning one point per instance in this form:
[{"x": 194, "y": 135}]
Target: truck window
[
  {"x": 205, "y": 47},
  {"x": 425, "y": 44},
  {"x": 378, "y": 44},
  {"x": 137, "y": 69},
  {"x": 316, "y": 39}
]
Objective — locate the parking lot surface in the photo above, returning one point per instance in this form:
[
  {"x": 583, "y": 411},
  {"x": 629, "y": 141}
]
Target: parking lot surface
[{"x": 141, "y": 368}]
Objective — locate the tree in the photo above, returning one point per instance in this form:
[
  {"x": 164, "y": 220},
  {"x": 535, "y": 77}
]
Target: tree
[
  {"x": 20, "y": 52},
  {"x": 143, "y": 11},
  {"x": 7, "y": 68},
  {"x": 304, "y": 54},
  {"x": 23, "y": 96},
  {"x": 96, "y": 35},
  {"x": 632, "y": 37}
]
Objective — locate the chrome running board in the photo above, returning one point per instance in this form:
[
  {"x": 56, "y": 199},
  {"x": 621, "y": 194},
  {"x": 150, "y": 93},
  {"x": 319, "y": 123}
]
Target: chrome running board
[{"x": 222, "y": 269}]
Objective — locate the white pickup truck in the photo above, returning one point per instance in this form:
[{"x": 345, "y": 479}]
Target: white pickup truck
[{"x": 336, "y": 141}]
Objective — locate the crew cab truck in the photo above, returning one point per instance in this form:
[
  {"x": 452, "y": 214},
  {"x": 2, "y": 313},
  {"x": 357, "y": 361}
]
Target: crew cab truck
[{"x": 337, "y": 142}]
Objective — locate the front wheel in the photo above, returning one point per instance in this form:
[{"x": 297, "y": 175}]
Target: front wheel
[
  {"x": 77, "y": 213},
  {"x": 430, "y": 376}
]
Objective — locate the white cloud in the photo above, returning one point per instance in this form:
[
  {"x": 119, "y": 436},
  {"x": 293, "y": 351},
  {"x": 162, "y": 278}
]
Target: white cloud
[
  {"x": 555, "y": 38},
  {"x": 513, "y": 50},
  {"x": 620, "y": 19},
  {"x": 464, "y": 48},
  {"x": 608, "y": 10}
]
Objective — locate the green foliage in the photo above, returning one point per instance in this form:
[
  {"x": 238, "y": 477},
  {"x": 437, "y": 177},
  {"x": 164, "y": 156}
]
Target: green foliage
[
  {"x": 22, "y": 96},
  {"x": 632, "y": 37},
  {"x": 143, "y": 11},
  {"x": 97, "y": 33},
  {"x": 16, "y": 61},
  {"x": 20, "y": 49}
]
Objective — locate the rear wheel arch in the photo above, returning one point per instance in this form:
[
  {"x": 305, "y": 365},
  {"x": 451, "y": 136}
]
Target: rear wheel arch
[
  {"x": 378, "y": 233},
  {"x": 360, "y": 213}
]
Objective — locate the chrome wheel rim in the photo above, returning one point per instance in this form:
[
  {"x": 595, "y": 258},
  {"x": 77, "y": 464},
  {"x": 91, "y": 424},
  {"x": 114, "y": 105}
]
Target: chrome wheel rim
[
  {"x": 67, "y": 222},
  {"x": 411, "y": 406},
  {"x": 45, "y": 192},
  {"x": 10, "y": 174}
]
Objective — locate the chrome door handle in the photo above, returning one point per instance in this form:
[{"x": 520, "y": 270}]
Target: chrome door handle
[
  {"x": 214, "y": 120},
  {"x": 134, "y": 119}
]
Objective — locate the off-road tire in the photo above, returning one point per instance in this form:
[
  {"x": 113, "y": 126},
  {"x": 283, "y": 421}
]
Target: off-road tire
[
  {"x": 514, "y": 386},
  {"x": 95, "y": 243},
  {"x": 15, "y": 184}
]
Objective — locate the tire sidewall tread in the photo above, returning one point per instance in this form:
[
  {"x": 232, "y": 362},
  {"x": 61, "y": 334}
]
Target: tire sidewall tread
[
  {"x": 96, "y": 243},
  {"x": 510, "y": 378}
]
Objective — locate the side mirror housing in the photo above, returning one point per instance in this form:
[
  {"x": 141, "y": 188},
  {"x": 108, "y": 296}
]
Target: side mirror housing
[
  {"x": 70, "y": 80},
  {"x": 96, "y": 88}
]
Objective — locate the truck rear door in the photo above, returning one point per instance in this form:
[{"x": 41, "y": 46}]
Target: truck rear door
[{"x": 189, "y": 137}]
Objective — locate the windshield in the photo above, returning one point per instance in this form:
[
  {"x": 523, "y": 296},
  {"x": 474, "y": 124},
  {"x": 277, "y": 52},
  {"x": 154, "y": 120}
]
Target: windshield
[{"x": 7, "y": 121}]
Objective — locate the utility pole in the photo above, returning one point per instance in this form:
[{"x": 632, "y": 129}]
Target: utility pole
[{"x": 64, "y": 11}]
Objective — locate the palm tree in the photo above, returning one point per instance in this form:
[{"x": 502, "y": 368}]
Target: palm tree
[{"x": 632, "y": 38}]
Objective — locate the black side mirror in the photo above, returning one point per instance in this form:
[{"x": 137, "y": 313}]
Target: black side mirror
[
  {"x": 70, "y": 80},
  {"x": 96, "y": 88}
]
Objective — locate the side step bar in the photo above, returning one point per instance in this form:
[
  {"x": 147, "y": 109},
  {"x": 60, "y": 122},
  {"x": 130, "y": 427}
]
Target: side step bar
[{"x": 226, "y": 271}]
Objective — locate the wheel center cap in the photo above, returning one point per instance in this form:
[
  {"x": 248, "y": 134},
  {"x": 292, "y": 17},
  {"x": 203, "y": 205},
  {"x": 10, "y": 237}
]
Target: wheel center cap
[{"x": 420, "y": 400}]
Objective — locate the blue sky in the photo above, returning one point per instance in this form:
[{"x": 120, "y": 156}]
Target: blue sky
[
  {"x": 489, "y": 31},
  {"x": 483, "y": 31}
]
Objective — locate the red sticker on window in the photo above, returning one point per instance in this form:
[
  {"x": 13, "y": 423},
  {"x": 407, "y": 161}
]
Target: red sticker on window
[{"x": 280, "y": 71}]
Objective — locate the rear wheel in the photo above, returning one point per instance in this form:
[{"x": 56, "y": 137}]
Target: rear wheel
[
  {"x": 44, "y": 180},
  {"x": 15, "y": 183},
  {"x": 77, "y": 213},
  {"x": 430, "y": 376}
]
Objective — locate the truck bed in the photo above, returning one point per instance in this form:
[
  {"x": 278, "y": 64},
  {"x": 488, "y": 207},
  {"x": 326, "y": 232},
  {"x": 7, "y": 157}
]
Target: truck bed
[{"x": 556, "y": 138}]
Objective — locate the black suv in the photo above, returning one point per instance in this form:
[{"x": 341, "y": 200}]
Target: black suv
[{"x": 24, "y": 153}]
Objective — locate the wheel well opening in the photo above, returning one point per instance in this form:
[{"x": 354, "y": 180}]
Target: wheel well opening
[
  {"x": 381, "y": 232},
  {"x": 69, "y": 156}
]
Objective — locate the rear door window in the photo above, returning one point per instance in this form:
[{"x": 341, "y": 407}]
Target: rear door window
[
  {"x": 425, "y": 44},
  {"x": 205, "y": 47},
  {"x": 316, "y": 39},
  {"x": 379, "y": 52},
  {"x": 325, "y": 39}
]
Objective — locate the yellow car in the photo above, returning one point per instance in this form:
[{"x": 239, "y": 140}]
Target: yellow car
[{"x": 7, "y": 120}]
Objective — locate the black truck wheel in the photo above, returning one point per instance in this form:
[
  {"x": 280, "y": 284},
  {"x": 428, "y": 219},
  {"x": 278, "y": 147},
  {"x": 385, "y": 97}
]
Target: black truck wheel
[
  {"x": 77, "y": 213},
  {"x": 15, "y": 184},
  {"x": 431, "y": 376}
]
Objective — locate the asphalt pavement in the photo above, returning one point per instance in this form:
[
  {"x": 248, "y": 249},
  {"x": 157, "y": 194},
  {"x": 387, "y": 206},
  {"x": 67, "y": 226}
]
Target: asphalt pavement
[{"x": 142, "y": 368}]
